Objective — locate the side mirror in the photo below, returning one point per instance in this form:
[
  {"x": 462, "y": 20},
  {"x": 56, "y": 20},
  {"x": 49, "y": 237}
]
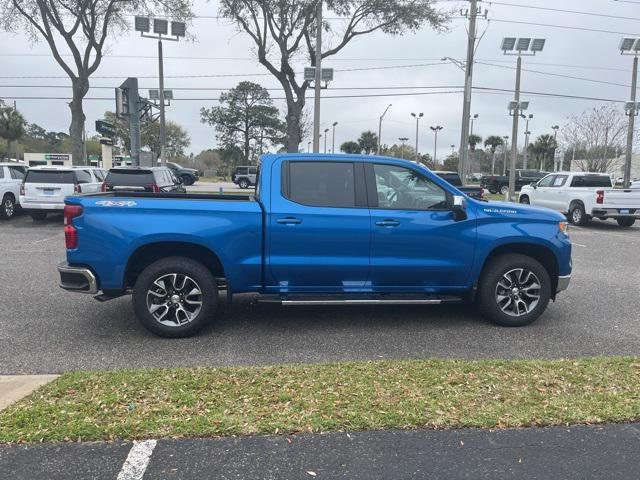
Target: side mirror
[
  {"x": 534, "y": 185},
  {"x": 459, "y": 208}
]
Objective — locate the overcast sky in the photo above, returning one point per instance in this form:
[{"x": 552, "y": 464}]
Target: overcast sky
[{"x": 220, "y": 49}]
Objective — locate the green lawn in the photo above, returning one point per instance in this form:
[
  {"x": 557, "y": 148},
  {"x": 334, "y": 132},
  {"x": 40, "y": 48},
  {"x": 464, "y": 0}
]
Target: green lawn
[{"x": 288, "y": 399}]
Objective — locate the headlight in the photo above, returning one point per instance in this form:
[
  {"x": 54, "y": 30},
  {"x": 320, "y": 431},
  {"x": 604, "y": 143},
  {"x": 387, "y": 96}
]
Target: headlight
[{"x": 564, "y": 227}]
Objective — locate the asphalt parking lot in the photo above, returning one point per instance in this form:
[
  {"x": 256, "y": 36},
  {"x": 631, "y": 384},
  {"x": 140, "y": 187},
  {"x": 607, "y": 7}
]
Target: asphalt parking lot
[{"x": 46, "y": 330}]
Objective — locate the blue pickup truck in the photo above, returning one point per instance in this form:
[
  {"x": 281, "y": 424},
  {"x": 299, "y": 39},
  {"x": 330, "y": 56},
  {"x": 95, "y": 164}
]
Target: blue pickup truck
[{"x": 320, "y": 230}]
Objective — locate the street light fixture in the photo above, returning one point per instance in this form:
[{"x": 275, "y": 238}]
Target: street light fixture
[
  {"x": 380, "y": 127},
  {"x": 418, "y": 117},
  {"x": 325, "y": 139},
  {"x": 631, "y": 46},
  {"x": 520, "y": 47},
  {"x": 333, "y": 138},
  {"x": 435, "y": 130},
  {"x": 160, "y": 32}
]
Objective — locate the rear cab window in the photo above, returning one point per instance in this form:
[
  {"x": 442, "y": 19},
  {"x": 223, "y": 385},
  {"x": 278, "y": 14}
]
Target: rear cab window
[
  {"x": 128, "y": 178},
  {"x": 602, "y": 181},
  {"x": 51, "y": 176}
]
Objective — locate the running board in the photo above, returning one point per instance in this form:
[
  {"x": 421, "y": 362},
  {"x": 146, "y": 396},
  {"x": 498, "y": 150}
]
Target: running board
[{"x": 302, "y": 300}]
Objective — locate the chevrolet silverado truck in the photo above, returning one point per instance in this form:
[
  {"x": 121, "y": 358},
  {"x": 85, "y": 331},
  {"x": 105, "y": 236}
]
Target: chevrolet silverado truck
[
  {"x": 583, "y": 196},
  {"x": 320, "y": 230}
]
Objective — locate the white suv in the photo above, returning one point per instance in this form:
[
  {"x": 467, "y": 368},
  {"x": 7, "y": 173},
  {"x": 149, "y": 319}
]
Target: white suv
[
  {"x": 45, "y": 188},
  {"x": 11, "y": 176}
]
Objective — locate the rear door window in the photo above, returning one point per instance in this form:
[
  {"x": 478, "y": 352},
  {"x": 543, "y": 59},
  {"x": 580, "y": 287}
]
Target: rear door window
[
  {"x": 321, "y": 184},
  {"x": 50, "y": 176},
  {"x": 16, "y": 173},
  {"x": 253, "y": 171},
  {"x": 83, "y": 176},
  {"x": 1, "y": 172}
]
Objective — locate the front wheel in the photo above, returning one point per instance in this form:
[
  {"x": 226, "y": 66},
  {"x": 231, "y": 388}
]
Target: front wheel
[
  {"x": 244, "y": 183},
  {"x": 504, "y": 189},
  {"x": 175, "y": 297},
  {"x": 626, "y": 222},
  {"x": 577, "y": 215},
  {"x": 8, "y": 208},
  {"x": 187, "y": 180},
  {"x": 525, "y": 200},
  {"x": 514, "y": 290}
]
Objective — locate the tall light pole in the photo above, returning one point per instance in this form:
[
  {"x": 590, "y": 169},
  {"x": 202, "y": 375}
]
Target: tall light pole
[
  {"x": 309, "y": 147},
  {"x": 473, "y": 119},
  {"x": 318, "y": 79},
  {"x": 631, "y": 46},
  {"x": 555, "y": 129},
  {"x": 453, "y": 150},
  {"x": 435, "y": 130},
  {"x": 519, "y": 47},
  {"x": 504, "y": 160},
  {"x": 403, "y": 140},
  {"x": 325, "y": 139},
  {"x": 526, "y": 140},
  {"x": 160, "y": 32},
  {"x": 380, "y": 127},
  {"x": 333, "y": 138},
  {"x": 418, "y": 117}
]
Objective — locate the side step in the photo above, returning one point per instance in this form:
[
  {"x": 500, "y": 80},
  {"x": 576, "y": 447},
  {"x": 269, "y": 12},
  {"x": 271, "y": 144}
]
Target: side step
[{"x": 362, "y": 299}]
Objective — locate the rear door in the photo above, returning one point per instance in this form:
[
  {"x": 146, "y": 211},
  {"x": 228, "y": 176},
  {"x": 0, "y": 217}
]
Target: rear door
[
  {"x": 49, "y": 186},
  {"x": 416, "y": 243},
  {"x": 319, "y": 227}
]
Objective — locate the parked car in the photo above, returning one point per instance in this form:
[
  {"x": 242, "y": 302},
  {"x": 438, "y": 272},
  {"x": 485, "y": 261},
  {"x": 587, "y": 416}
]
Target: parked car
[
  {"x": 245, "y": 177},
  {"x": 454, "y": 179},
  {"x": 583, "y": 196},
  {"x": 189, "y": 176},
  {"x": 500, "y": 184},
  {"x": 44, "y": 188},
  {"x": 11, "y": 176},
  {"x": 321, "y": 230},
  {"x": 143, "y": 179}
]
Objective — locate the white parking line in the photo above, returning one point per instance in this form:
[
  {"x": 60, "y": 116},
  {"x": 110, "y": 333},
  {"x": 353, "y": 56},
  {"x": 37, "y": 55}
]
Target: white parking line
[
  {"x": 578, "y": 245},
  {"x": 137, "y": 461}
]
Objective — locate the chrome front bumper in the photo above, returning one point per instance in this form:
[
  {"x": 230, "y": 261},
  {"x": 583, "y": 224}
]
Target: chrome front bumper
[
  {"x": 563, "y": 283},
  {"x": 77, "y": 279}
]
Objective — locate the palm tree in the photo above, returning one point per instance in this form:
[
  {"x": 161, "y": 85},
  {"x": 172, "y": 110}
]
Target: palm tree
[
  {"x": 493, "y": 141},
  {"x": 12, "y": 126},
  {"x": 543, "y": 148},
  {"x": 473, "y": 141},
  {"x": 368, "y": 142}
]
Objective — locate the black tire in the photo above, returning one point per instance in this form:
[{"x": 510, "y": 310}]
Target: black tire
[
  {"x": 493, "y": 192},
  {"x": 504, "y": 189},
  {"x": 577, "y": 215},
  {"x": 626, "y": 222},
  {"x": 187, "y": 180},
  {"x": 489, "y": 289},
  {"x": 243, "y": 183},
  {"x": 524, "y": 199},
  {"x": 8, "y": 207},
  {"x": 39, "y": 216},
  {"x": 182, "y": 267}
]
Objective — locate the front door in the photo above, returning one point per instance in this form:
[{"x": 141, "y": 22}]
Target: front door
[
  {"x": 543, "y": 191},
  {"x": 318, "y": 227},
  {"x": 416, "y": 244}
]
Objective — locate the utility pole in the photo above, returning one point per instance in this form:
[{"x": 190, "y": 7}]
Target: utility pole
[
  {"x": 468, "y": 85},
  {"x": 514, "y": 133},
  {"x": 632, "y": 111},
  {"x": 504, "y": 160},
  {"x": 380, "y": 128},
  {"x": 418, "y": 117},
  {"x": 435, "y": 144},
  {"x": 555, "y": 129},
  {"x": 163, "y": 135},
  {"x": 318, "y": 80},
  {"x": 333, "y": 138},
  {"x": 15, "y": 109}
]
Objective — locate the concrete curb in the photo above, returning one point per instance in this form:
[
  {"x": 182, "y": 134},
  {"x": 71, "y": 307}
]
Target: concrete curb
[{"x": 16, "y": 387}]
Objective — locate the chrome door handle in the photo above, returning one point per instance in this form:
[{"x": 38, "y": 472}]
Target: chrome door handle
[
  {"x": 388, "y": 223},
  {"x": 289, "y": 221}
]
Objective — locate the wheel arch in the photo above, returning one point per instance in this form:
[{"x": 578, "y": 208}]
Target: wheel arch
[
  {"x": 10, "y": 194},
  {"x": 146, "y": 254},
  {"x": 540, "y": 253}
]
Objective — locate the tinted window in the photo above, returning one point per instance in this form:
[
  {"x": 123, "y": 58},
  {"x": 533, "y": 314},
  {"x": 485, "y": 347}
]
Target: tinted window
[
  {"x": 241, "y": 171},
  {"x": 591, "y": 181},
  {"x": 1, "y": 172},
  {"x": 99, "y": 174},
  {"x": 50, "y": 176},
  {"x": 16, "y": 173},
  {"x": 322, "y": 184},
  {"x": 560, "y": 180},
  {"x": 547, "y": 181},
  {"x": 253, "y": 170},
  {"x": 129, "y": 177},
  {"x": 402, "y": 189},
  {"x": 83, "y": 176},
  {"x": 452, "y": 178}
]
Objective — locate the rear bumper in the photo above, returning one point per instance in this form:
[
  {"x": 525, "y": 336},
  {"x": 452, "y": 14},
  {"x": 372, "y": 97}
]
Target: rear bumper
[
  {"x": 77, "y": 279},
  {"x": 616, "y": 212},
  {"x": 563, "y": 283},
  {"x": 41, "y": 206}
]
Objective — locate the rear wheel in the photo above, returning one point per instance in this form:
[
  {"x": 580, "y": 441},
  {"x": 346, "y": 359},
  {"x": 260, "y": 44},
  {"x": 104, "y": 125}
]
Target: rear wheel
[
  {"x": 524, "y": 199},
  {"x": 577, "y": 215},
  {"x": 514, "y": 290},
  {"x": 8, "y": 208},
  {"x": 175, "y": 297},
  {"x": 39, "y": 216},
  {"x": 504, "y": 189},
  {"x": 187, "y": 180},
  {"x": 244, "y": 183},
  {"x": 626, "y": 222}
]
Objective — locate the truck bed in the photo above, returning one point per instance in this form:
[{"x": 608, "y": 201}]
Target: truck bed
[{"x": 173, "y": 196}]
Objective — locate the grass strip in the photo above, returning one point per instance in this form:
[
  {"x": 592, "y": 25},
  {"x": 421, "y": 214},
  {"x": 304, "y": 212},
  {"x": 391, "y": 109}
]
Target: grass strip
[{"x": 160, "y": 403}]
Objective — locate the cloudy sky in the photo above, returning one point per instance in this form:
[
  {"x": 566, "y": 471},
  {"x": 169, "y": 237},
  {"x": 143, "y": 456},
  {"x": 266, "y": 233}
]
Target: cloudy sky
[{"x": 577, "y": 61}]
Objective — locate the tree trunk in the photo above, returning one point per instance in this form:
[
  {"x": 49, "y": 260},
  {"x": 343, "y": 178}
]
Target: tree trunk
[
  {"x": 9, "y": 145},
  {"x": 294, "y": 125},
  {"x": 76, "y": 129}
]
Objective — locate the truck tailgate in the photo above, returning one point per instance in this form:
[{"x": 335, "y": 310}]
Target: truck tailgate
[{"x": 619, "y": 198}]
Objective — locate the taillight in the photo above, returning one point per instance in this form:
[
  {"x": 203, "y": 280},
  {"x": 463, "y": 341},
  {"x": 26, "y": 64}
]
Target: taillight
[
  {"x": 22, "y": 189},
  {"x": 77, "y": 188},
  {"x": 154, "y": 187},
  {"x": 600, "y": 197},
  {"x": 103, "y": 188},
  {"x": 70, "y": 232}
]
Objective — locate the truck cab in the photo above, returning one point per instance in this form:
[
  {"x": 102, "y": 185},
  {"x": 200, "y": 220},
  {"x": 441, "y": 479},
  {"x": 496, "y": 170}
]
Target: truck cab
[{"x": 320, "y": 229}]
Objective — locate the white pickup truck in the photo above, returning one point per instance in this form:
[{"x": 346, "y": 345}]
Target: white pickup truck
[
  {"x": 11, "y": 175},
  {"x": 583, "y": 196}
]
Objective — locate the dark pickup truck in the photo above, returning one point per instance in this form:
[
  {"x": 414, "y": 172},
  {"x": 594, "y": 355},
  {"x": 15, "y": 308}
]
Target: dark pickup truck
[
  {"x": 454, "y": 179},
  {"x": 500, "y": 184}
]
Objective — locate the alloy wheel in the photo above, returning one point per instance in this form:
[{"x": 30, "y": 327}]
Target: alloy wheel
[
  {"x": 174, "y": 299},
  {"x": 9, "y": 208},
  {"x": 518, "y": 292}
]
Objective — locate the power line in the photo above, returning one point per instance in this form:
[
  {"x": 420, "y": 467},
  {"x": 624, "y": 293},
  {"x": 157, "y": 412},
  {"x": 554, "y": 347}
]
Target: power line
[
  {"x": 561, "y": 10},
  {"x": 272, "y": 89},
  {"x": 564, "y": 27}
]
